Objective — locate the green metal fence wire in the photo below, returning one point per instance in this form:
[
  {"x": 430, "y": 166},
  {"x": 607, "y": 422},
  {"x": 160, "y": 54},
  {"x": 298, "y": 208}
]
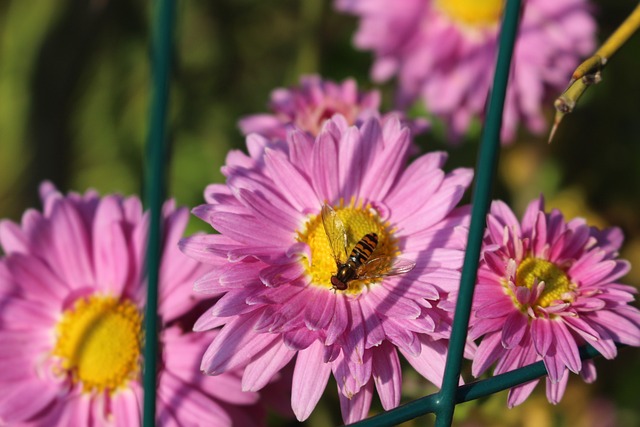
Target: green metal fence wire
[
  {"x": 443, "y": 403},
  {"x": 485, "y": 172},
  {"x": 162, "y": 45}
]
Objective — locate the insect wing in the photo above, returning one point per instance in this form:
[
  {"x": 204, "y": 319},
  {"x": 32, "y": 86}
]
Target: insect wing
[
  {"x": 379, "y": 267},
  {"x": 336, "y": 233}
]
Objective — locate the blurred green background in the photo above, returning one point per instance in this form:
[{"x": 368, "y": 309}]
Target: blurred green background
[{"x": 74, "y": 93}]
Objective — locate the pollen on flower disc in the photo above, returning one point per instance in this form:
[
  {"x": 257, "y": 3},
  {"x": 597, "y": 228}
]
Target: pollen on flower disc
[
  {"x": 98, "y": 342},
  {"x": 472, "y": 14},
  {"x": 557, "y": 284},
  {"x": 359, "y": 219}
]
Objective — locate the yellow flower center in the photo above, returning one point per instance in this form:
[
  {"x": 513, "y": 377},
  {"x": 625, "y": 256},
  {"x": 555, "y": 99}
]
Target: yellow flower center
[
  {"x": 358, "y": 220},
  {"x": 477, "y": 14},
  {"x": 557, "y": 285},
  {"x": 98, "y": 342}
]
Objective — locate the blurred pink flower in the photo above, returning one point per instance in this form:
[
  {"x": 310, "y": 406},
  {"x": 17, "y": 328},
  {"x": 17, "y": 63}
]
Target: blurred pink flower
[
  {"x": 314, "y": 101},
  {"x": 546, "y": 287},
  {"x": 72, "y": 292},
  {"x": 444, "y": 52},
  {"x": 275, "y": 263}
]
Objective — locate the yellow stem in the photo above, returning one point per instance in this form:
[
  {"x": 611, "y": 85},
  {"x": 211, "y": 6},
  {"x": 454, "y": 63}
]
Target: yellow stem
[{"x": 588, "y": 72}]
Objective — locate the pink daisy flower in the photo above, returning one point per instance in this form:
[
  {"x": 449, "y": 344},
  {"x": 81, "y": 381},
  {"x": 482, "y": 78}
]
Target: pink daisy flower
[
  {"x": 277, "y": 272},
  {"x": 545, "y": 287},
  {"x": 72, "y": 292},
  {"x": 444, "y": 52},
  {"x": 314, "y": 101}
]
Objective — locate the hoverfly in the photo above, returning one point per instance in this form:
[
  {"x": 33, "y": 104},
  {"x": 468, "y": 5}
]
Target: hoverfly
[{"x": 361, "y": 263}]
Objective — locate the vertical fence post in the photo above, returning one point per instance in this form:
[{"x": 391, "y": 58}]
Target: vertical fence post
[
  {"x": 485, "y": 172},
  {"x": 154, "y": 186}
]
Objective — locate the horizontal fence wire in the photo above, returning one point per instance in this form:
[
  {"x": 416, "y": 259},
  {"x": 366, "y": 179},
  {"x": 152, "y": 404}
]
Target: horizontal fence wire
[
  {"x": 472, "y": 391},
  {"x": 155, "y": 191}
]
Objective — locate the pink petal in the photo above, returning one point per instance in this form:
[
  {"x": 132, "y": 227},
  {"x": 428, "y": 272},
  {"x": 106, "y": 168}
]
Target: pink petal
[
  {"x": 542, "y": 335},
  {"x": 502, "y": 306},
  {"x": 321, "y": 312},
  {"x": 372, "y": 324},
  {"x": 233, "y": 303},
  {"x": 431, "y": 360},
  {"x": 310, "y": 378},
  {"x": 554, "y": 364},
  {"x": 259, "y": 372},
  {"x": 502, "y": 213},
  {"x": 619, "y": 327},
  {"x": 34, "y": 274},
  {"x": 209, "y": 284},
  {"x": 249, "y": 230},
  {"x": 352, "y": 164},
  {"x": 292, "y": 184},
  {"x": 410, "y": 185},
  {"x": 299, "y": 338},
  {"x": 592, "y": 274},
  {"x": 387, "y": 375},
  {"x": 567, "y": 347},
  {"x": 531, "y": 214},
  {"x": 397, "y": 332},
  {"x": 442, "y": 203},
  {"x": 127, "y": 409},
  {"x": 277, "y": 275},
  {"x": 174, "y": 274},
  {"x": 588, "y": 372},
  {"x": 300, "y": 145},
  {"x": 325, "y": 172},
  {"x": 12, "y": 238},
  {"x": 205, "y": 248},
  {"x": 269, "y": 206},
  {"x": 354, "y": 338},
  {"x": 237, "y": 275},
  {"x": 110, "y": 251},
  {"x": 235, "y": 345},
  {"x": 515, "y": 327},
  {"x": 357, "y": 407},
  {"x": 390, "y": 304},
  {"x": 496, "y": 263},
  {"x": 383, "y": 171},
  {"x": 209, "y": 321},
  {"x": 489, "y": 350},
  {"x": 23, "y": 400},
  {"x": 519, "y": 394},
  {"x": 70, "y": 245},
  {"x": 339, "y": 322},
  {"x": 555, "y": 390},
  {"x": 194, "y": 408},
  {"x": 71, "y": 410},
  {"x": 539, "y": 242},
  {"x": 26, "y": 314},
  {"x": 513, "y": 358}
]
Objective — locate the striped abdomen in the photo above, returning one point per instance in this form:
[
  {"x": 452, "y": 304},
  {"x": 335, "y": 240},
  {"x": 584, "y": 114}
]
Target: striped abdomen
[
  {"x": 363, "y": 249},
  {"x": 359, "y": 255}
]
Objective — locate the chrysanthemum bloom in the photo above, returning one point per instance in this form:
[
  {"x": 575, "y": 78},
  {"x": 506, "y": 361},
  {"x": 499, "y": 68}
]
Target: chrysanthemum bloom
[
  {"x": 310, "y": 104},
  {"x": 72, "y": 294},
  {"x": 443, "y": 51},
  {"x": 546, "y": 287},
  {"x": 278, "y": 299}
]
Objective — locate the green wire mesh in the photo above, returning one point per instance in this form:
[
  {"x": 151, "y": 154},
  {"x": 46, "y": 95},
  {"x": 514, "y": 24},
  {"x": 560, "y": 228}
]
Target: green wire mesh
[
  {"x": 443, "y": 403},
  {"x": 155, "y": 191}
]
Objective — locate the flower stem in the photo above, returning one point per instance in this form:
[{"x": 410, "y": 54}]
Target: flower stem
[{"x": 588, "y": 73}]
